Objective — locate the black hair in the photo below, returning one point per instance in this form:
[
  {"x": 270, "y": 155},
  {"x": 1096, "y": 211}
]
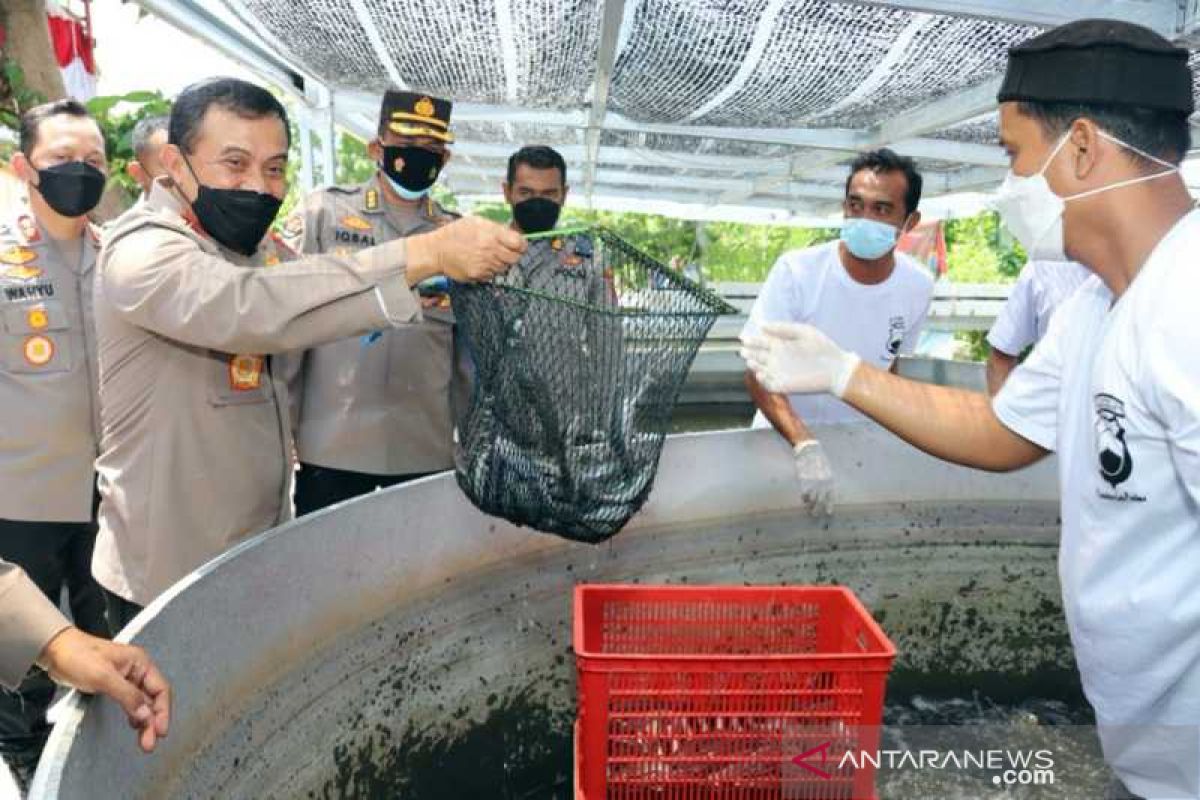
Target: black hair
[
  {"x": 147, "y": 127},
  {"x": 245, "y": 99},
  {"x": 32, "y": 119},
  {"x": 539, "y": 157},
  {"x": 1161, "y": 133},
  {"x": 885, "y": 160}
]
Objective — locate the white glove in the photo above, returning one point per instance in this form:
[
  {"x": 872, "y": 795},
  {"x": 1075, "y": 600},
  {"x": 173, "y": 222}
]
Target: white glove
[
  {"x": 791, "y": 358},
  {"x": 816, "y": 477}
]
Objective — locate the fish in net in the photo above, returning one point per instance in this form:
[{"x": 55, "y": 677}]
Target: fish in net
[{"x": 580, "y": 351}]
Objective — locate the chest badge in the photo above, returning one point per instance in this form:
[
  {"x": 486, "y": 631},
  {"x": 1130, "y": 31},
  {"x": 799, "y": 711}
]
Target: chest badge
[
  {"x": 245, "y": 372},
  {"x": 19, "y": 257},
  {"x": 896, "y": 330},
  {"x": 1116, "y": 464},
  {"x": 38, "y": 350},
  {"x": 37, "y": 318},
  {"x": 355, "y": 223},
  {"x": 29, "y": 229},
  {"x": 24, "y": 274}
]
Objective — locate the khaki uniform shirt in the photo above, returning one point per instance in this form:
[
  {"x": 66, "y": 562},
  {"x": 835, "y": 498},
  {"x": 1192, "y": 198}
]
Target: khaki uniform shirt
[
  {"x": 195, "y": 451},
  {"x": 28, "y": 621},
  {"x": 47, "y": 374},
  {"x": 383, "y": 405}
]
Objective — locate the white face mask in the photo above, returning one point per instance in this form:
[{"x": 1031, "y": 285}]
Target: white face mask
[{"x": 1034, "y": 213}]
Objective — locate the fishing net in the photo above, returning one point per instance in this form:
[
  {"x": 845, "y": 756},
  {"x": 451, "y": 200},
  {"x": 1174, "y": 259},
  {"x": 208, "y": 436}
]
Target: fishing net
[{"x": 580, "y": 351}]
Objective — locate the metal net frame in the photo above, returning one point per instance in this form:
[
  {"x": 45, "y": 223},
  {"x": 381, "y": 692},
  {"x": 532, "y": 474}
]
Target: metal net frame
[{"x": 580, "y": 352}]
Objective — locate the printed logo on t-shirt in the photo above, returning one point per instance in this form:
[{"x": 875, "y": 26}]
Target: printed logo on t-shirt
[
  {"x": 896, "y": 328},
  {"x": 1115, "y": 461}
]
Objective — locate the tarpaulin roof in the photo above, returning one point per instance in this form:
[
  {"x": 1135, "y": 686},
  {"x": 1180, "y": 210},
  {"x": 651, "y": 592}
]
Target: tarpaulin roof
[{"x": 705, "y": 108}]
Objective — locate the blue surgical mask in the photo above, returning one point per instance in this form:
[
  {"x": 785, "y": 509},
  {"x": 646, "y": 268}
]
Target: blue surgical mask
[
  {"x": 405, "y": 194},
  {"x": 869, "y": 239}
]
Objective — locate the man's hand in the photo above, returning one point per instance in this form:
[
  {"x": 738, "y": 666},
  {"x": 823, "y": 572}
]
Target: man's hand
[
  {"x": 123, "y": 672},
  {"x": 467, "y": 250},
  {"x": 816, "y": 477},
  {"x": 793, "y": 358}
]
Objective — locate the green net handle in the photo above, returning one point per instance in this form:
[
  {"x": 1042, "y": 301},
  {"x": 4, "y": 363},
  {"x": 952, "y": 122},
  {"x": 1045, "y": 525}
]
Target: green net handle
[
  {"x": 718, "y": 305},
  {"x": 572, "y": 231}
]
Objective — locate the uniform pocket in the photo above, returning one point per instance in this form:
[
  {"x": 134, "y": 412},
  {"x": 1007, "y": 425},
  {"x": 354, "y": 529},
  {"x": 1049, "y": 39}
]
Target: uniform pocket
[
  {"x": 35, "y": 338},
  {"x": 238, "y": 379}
]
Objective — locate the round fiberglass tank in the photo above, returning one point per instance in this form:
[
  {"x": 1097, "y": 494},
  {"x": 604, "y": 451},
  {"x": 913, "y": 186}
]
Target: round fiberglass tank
[{"x": 404, "y": 644}]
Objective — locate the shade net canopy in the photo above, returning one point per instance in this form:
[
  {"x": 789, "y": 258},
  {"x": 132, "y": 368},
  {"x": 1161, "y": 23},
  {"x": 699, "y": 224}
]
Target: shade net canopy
[
  {"x": 580, "y": 351},
  {"x": 703, "y": 107}
]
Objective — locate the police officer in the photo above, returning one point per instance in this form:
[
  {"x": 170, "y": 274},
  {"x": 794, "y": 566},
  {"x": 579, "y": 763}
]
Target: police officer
[
  {"x": 32, "y": 629},
  {"x": 535, "y": 190},
  {"x": 48, "y": 389},
  {"x": 193, "y": 298},
  {"x": 376, "y": 411},
  {"x": 578, "y": 344},
  {"x": 148, "y": 139}
]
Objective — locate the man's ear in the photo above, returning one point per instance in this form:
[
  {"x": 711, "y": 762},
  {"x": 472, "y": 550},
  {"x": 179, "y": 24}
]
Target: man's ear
[
  {"x": 566, "y": 191},
  {"x": 177, "y": 170},
  {"x": 449, "y": 154},
  {"x": 24, "y": 169},
  {"x": 375, "y": 150},
  {"x": 135, "y": 170},
  {"x": 507, "y": 191},
  {"x": 1084, "y": 138},
  {"x": 914, "y": 220}
]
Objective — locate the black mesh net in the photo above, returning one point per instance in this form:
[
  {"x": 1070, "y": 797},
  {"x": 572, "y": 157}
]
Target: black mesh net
[{"x": 580, "y": 352}]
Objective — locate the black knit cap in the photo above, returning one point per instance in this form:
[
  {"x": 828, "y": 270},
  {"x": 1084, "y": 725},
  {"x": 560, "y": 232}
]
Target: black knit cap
[{"x": 1100, "y": 61}]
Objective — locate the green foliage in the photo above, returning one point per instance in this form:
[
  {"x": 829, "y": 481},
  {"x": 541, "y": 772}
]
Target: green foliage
[
  {"x": 980, "y": 250},
  {"x": 971, "y": 346},
  {"x": 117, "y": 115},
  {"x": 354, "y": 165},
  {"x": 17, "y": 96},
  {"x": 726, "y": 251},
  {"x": 739, "y": 252}
]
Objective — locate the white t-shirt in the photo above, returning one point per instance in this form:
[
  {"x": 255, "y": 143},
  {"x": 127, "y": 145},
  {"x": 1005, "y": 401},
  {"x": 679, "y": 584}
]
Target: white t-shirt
[
  {"x": 1041, "y": 288},
  {"x": 877, "y": 321},
  {"x": 1116, "y": 392}
]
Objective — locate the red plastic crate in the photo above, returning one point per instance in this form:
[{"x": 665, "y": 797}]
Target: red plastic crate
[{"x": 710, "y": 691}]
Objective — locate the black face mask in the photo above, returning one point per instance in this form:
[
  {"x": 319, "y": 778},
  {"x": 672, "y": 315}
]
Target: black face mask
[
  {"x": 71, "y": 189},
  {"x": 421, "y": 167},
  {"x": 536, "y": 215},
  {"x": 235, "y": 218}
]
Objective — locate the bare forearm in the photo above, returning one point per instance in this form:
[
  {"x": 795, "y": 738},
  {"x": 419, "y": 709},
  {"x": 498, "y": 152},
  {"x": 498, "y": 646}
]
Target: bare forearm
[
  {"x": 952, "y": 424},
  {"x": 999, "y": 365},
  {"x": 778, "y": 411}
]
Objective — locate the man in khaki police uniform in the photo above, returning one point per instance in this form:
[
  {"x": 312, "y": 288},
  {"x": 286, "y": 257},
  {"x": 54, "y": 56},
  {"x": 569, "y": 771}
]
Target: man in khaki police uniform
[
  {"x": 32, "y": 629},
  {"x": 47, "y": 390},
  {"x": 148, "y": 139},
  {"x": 376, "y": 411},
  {"x": 192, "y": 300}
]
